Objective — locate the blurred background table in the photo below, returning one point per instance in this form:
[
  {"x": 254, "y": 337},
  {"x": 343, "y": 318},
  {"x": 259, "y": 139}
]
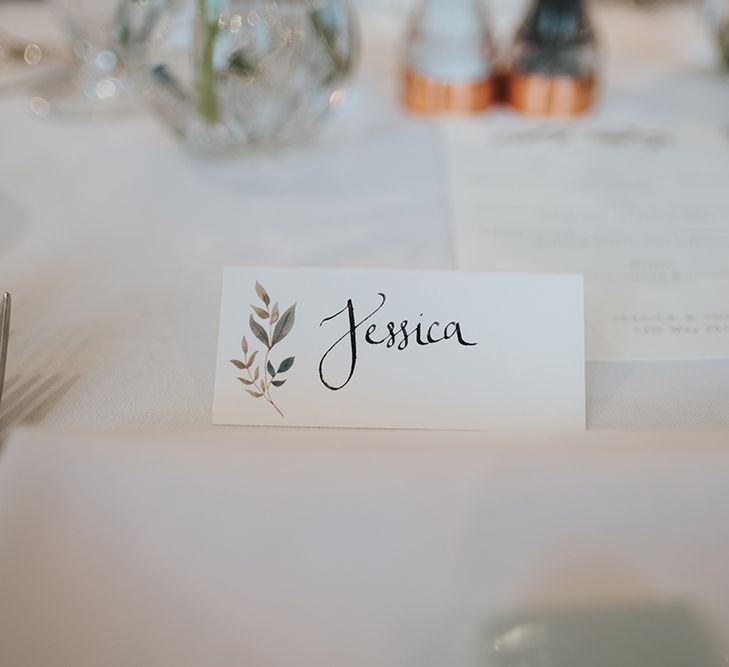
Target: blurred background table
[{"x": 113, "y": 242}]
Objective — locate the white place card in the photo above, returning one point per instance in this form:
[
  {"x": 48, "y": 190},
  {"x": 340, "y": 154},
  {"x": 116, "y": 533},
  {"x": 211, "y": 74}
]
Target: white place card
[{"x": 400, "y": 349}]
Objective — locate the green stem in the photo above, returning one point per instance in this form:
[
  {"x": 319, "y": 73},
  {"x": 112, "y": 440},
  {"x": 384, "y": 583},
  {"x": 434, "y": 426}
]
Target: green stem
[
  {"x": 724, "y": 41},
  {"x": 207, "y": 99},
  {"x": 267, "y": 382},
  {"x": 263, "y": 389}
]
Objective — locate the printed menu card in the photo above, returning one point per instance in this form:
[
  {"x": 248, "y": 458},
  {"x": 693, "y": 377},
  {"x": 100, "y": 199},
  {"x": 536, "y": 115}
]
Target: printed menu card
[{"x": 636, "y": 207}]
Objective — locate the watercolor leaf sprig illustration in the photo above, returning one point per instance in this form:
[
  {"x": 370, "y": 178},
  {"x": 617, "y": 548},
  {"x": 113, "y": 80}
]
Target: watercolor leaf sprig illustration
[{"x": 270, "y": 331}]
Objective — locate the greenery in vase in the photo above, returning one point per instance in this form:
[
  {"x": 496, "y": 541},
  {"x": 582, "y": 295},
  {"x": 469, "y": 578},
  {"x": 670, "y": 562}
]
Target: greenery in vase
[
  {"x": 327, "y": 34},
  {"x": 724, "y": 40},
  {"x": 208, "y": 29}
]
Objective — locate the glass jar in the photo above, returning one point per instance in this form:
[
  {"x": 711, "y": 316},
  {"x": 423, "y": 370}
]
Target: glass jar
[{"x": 230, "y": 74}]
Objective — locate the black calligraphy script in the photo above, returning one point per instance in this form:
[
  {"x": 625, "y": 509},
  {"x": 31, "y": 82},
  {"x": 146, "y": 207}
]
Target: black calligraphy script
[{"x": 392, "y": 335}]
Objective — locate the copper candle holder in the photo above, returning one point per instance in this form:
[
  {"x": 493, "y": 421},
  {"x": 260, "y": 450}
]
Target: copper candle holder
[
  {"x": 542, "y": 95},
  {"x": 427, "y": 95},
  {"x": 448, "y": 58},
  {"x": 554, "y": 60}
]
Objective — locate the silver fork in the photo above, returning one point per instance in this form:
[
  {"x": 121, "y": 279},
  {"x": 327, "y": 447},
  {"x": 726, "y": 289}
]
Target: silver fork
[{"x": 4, "y": 335}]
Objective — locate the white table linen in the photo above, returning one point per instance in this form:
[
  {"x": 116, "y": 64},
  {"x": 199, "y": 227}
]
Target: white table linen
[{"x": 307, "y": 547}]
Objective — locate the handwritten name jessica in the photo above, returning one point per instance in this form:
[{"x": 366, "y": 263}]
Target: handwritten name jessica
[{"x": 391, "y": 335}]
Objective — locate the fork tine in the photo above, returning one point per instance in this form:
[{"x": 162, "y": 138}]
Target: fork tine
[{"x": 4, "y": 335}]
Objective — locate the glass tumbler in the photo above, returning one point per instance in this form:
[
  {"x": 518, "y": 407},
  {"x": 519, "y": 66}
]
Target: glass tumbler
[{"x": 95, "y": 80}]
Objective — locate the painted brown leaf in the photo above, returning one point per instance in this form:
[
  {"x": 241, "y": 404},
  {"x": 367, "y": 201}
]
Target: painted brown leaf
[
  {"x": 244, "y": 345},
  {"x": 274, "y": 313},
  {"x": 245, "y": 382},
  {"x": 284, "y": 325},
  {"x": 259, "y": 332},
  {"x": 262, "y": 293},
  {"x": 252, "y": 359},
  {"x": 255, "y": 394},
  {"x": 263, "y": 314},
  {"x": 238, "y": 364},
  {"x": 256, "y": 373}
]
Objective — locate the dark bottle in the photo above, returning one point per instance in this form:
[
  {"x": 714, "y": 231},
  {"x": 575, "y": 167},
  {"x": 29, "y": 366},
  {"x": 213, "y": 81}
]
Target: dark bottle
[{"x": 554, "y": 60}]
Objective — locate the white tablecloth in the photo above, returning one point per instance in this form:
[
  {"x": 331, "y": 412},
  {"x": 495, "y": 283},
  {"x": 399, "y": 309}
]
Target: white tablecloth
[
  {"x": 286, "y": 548},
  {"x": 112, "y": 241}
]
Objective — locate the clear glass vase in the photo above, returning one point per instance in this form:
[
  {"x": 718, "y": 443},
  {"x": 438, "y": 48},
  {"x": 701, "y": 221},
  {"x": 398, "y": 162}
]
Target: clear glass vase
[{"x": 230, "y": 74}]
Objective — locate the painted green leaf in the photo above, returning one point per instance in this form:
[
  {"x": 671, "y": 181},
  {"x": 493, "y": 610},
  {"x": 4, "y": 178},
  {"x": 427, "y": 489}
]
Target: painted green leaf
[
  {"x": 278, "y": 383},
  {"x": 274, "y": 313},
  {"x": 271, "y": 370},
  {"x": 245, "y": 382},
  {"x": 262, "y": 293},
  {"x": 238, "y": 364},
  {"x": 263, "y": 314},
  {"x": 255, "y": 394},
  {"x": 252, "y": 359},
  {"x": 259, "y": 332},
  {"x": 286, "y": 365},
  {"x": 244, "y": 345},
  {"x": 283, "y": 326}
]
